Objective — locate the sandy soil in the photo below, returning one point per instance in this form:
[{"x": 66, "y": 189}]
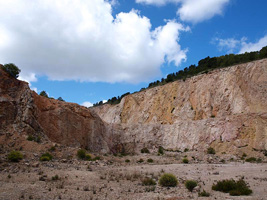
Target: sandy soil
[{"x": 113, "y": 178}]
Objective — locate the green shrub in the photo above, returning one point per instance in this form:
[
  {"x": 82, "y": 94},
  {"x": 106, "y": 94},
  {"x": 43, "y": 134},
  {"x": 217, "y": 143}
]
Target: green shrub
[
  {"x": 190, "y": 185},
  {"x": 14, "y": 156},
  {"x": 140, "y": 160},
  {"x": 149, "y": 160},
  {"x": 87, "y": 157},
  {"x": 30, "y": 138},
  {"x": 185, "y": 160},
  {"x": 54, "y": 178},
  {"x": 127, "y": 161},
  {"x": 186, "y": 150},
  {"x": 46, "y": 157},
  {"x": 81, "y": 153},
  {"x": 53, "y": 148},
  {"x": 145, "y": 150},
  {"x": 96, "y": 158},
  {"x": 251, "y": 159},
  {"x": 203, "y": 194},
  {"x": 12, "y": 69},
  {"x": 161, "y": 150},
  {"x": 234, "y": 188},
  {"x": 211, "y": 150},
  {"x": 44, "y": 94},
  {"x": 36, "y": 139},
  {"x": 148, "y": 181},
  {"x": 168, "y": 180}
]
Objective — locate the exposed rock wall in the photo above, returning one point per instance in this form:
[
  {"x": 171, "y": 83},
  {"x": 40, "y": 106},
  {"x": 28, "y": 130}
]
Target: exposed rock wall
[
  {"x": 226, "y": 107},
  {"x": 22, "y": 111}
]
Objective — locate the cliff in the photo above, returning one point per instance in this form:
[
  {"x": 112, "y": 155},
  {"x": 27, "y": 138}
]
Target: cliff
[
  {"x": 23, "y": 112},
  {"x": 225, "y": 108}
]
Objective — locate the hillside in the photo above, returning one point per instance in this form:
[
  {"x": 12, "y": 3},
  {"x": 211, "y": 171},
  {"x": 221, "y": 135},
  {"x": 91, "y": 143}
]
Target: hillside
[
  {"x": 225, "y": 108},
  {"x": 24, "y": 113}
]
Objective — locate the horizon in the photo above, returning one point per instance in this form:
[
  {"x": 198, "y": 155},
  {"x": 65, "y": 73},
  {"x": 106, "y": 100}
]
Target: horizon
[{"x": 132, "y": 43}]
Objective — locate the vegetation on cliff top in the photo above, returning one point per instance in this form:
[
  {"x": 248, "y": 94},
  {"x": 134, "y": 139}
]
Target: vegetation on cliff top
[
  {"x": 12, "y": 70},
  {"x": 204, "y": 66}
]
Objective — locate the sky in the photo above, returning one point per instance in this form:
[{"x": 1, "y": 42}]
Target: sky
[{"x": 87, "y": 51}]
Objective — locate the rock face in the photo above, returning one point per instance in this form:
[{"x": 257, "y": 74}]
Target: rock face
[
  {"x": 226, "y": 108},
  {"x": 22, "y": 111}
]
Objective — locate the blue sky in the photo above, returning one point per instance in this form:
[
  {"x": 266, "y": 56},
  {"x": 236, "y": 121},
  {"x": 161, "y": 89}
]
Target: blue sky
[{"x": 87, "y": 51}]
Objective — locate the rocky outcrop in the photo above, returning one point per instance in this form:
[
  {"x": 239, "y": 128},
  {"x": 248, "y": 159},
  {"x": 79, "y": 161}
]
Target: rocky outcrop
[
  {"x": 225, "y": 108},
  {"x": 22, "y": 111}
]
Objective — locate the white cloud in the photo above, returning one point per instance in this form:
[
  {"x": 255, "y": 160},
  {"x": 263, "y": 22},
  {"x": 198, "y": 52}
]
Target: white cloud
[
  {"x": 105, "y": 101},
  {"x": 157, "y": 2},
  {"x": 193, "y": 10},
  {"x": 248, "y": 47},
  {"x": 199, "y": 10},
  {"x": 87, "y": 104},
  {"x": 28, "y": 77},
  {"x": 232, "y": 45},
  {"x": 81, "y": 40}
]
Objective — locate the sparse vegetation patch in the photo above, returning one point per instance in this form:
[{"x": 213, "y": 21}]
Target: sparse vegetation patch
[
  {"x": 190, "y": 185},
  {"x": 168, "y": 180},
  {"x": 234, "y": 188},
  {"x": 15, "y": 156}
]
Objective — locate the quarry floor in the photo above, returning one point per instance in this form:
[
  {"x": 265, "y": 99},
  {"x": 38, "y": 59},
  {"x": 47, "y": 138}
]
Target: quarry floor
[{"x": 113, "y": 178}]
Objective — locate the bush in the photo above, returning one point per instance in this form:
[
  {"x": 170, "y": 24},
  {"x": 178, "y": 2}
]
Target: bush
[
  {"x": 186, "y": 150},
  {"x": 140, "y": 161},
  {"x": 185, "y": 160},
  {"x": 14, "y": 156},
  {"x": 234, "y": 188},
  {"x": 44, "y": 94},
  {"x": 30, "y": 138},
  {"x": 251, "y": 159},
  {"x": 168, "y": 180},
  {"x": 149, "y": 160},
  {"x": 203, "y": 194},
  {"x": 87, "y": 157},
  {"x": 53, "y": 148},
  {"x": 127, "y": 161},
  {"x": 148, "y": 181},
  {"x": 46, "y": 157},
  {"x": 161, "y": 150},
  {"x": 36, "y": 139},
  {"x": 81, "y": 153},
  {"x": 54, "y": 178},
  {"x": 190, "y": 185},
  {"x": 211, "y": 150},
  {"x": 145, "y": 150},
  {"x": 12, "y": 69}
]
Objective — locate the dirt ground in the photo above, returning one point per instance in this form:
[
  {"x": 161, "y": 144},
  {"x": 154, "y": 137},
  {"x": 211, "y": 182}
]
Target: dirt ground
[{"x": 113, "y": 178}]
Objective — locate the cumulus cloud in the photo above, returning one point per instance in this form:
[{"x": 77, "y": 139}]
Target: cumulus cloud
[
  {"x": 28, "y": 77},
  {"x": 232, "y": 45},
  {"x": 248, "y": 47},
  {"x": 157, "y": 2},
  {"x": 193, "y": 10},
  {"x": 87, "y": 104},
  {"x": 81, "y": 40}
]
